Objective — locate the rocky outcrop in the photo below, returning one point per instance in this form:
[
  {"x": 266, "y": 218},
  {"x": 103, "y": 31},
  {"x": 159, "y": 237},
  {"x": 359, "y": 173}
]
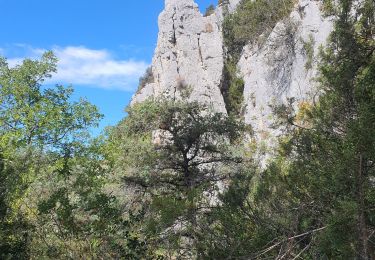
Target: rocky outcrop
[
  {"x": 188, "y": 59},
  {"x": 284, "y": 66}
]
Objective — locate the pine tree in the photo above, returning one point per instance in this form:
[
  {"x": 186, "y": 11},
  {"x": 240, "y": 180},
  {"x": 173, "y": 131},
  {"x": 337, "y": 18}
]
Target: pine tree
[{"x": 185, "y": 165}]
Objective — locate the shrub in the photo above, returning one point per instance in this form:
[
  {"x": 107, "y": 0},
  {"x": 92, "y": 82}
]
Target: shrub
[
  {"x": 308, "y": 48},
  {"x": 147, "y": 78},
  {"x": 232, "y": 89},
  {"x": 252, "y": 19},
  {"x": 209, "y": 10},
  {"x": 328, "y": 7}
]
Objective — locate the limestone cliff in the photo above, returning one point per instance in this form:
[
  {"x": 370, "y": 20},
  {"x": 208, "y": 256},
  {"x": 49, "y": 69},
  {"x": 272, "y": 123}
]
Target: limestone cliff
[
  {"x": 188, "y": 57},
  {"x": 190, "y": 54},
  {"x": 285, "y": 65}
]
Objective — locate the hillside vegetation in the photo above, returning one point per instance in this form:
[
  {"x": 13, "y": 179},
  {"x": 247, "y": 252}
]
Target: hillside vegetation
[{"x": 171, "y": 182}]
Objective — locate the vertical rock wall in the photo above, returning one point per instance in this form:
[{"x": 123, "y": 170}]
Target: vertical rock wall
[
  {"x": 189, "y": 57},
  {"x": 284, "y": 66}
]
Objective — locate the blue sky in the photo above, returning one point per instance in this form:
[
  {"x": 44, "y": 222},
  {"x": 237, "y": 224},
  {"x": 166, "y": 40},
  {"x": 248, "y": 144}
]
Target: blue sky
[{"x": 103, "y": 45}]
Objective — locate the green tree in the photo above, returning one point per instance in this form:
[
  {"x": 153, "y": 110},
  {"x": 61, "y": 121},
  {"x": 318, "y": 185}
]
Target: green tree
[
  {"x": 330, "y": 150},
  {"x": 185, "y": 165},
  {"x": 78, "y": 216},
  {"x": 34, "y": 122},
  {"x": 32, "y": 115}
]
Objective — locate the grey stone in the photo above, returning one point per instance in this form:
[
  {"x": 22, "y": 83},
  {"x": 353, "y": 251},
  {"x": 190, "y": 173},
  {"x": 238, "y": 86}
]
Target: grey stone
[
  {"x": 188, "y": 60},
  {"x": 280, "y": 68},
  {"x": 189, "y": 57}
]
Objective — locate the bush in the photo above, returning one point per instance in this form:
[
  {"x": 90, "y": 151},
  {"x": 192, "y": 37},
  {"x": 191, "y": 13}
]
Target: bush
[
  {"x": 328, "y": 7},
  {"x": 209, "y": 10},
  {"x": 232, "y": 89},
  {"x": 308, "y": 47},
  {"x": 147, "y": 78},
  {"x": 252, "y": 19}
]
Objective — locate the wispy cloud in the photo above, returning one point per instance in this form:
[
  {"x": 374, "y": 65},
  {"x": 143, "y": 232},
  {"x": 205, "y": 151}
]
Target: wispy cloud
[{"x": 79, "y": 65}]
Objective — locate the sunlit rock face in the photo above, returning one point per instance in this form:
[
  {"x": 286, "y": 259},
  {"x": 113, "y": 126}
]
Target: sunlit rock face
[
  {"x": 283, "y": 66},
  {"x": 189, "y": 57},
  {"x": 188, "y": 60}
]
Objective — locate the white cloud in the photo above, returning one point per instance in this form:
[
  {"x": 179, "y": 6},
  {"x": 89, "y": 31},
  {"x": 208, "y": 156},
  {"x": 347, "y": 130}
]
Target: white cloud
[
  {"x": 79, "y": 65},
  {"x": 82, "y": 66}
]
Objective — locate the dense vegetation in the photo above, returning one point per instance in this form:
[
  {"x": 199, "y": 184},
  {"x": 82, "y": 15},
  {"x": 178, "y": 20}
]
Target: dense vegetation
[
  {"x": 250, "y": 23},
  {"x": 175, "y": 180}
]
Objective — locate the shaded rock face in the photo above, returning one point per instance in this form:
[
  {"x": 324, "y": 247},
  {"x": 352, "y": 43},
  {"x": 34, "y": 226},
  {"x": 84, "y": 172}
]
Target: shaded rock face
[
  {"x": 189, "y": 57},
  {"x": 284, "y": 66}
]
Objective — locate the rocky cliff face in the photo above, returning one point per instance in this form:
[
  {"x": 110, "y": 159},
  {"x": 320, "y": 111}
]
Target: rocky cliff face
[
  {"x": 189, "y": 57},
  {"x": 285, "y": 65}
]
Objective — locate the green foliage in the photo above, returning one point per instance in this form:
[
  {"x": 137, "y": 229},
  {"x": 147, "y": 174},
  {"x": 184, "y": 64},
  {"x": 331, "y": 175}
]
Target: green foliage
[
  {"x": 329, "y": 7},
  {"x": 147, "y": 78},
  {"x": 252, "y": 19},
  {"x": 329, "y": 155},
  {"x": 209, "y": 10},
  {"x": 221, "y": 2},
  {"x": 32, "y": 116},
  {"x": 173, "y": 179},
  {"x": 232, "y": 87},
  {"x": 53, "y": 202},
  {"x": 309, "y": 51},
  {"x": 184, "y": 162},
  {"x": 230, "y": 231},
  {"x": 87, "y": 220},
  {"x": 13, "y": 229},
  {"x": 315, "y": 199}
]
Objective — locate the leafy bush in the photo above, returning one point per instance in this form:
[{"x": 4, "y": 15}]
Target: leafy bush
[
  {"x": 232, "y": 89},
  {"x": 209, "y": 10},
  {"x": 329, "y": 7},
  {"x": 252, "y": 19}
]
